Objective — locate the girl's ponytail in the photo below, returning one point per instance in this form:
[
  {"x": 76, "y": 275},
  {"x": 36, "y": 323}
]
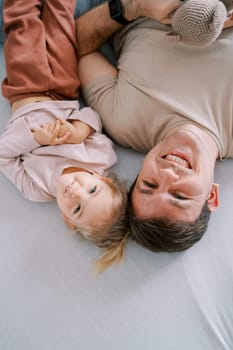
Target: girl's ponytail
[{"x": 113, "y": 253}]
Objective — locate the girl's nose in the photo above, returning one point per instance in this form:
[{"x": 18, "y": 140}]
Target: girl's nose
[{"x": 75, "y": 189}]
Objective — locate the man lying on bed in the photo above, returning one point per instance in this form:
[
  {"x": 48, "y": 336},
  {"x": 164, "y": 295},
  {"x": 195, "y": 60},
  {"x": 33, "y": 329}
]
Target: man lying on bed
[{"x": 170, "y": 99}]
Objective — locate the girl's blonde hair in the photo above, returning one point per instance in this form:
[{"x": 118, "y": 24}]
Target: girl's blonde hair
[{"x": 110, "y": 234}]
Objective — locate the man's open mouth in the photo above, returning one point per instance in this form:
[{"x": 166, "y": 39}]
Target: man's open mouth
[{"x": 180, "y": 160}]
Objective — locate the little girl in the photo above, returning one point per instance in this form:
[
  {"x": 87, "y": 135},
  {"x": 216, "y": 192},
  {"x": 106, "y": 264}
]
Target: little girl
[{"x": 50, "y": 148}]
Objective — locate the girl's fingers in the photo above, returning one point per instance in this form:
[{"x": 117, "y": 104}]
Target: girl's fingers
[
  {"x": 62, "y": 139},
  {"x": 56, "y": 128}
]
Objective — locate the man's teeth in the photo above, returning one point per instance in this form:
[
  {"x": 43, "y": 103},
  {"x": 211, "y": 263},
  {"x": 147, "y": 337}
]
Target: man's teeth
[{"x": 178, "y": 160}]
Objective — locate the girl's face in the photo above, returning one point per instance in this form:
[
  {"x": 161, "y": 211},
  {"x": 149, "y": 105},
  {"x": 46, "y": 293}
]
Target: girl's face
[{"x": 84, "y": 198}]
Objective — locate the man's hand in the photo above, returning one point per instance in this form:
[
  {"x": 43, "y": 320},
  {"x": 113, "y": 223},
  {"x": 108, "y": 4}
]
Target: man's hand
[
  {"x": 155, "y": 9},
  {"x": 49, "y": 134}
]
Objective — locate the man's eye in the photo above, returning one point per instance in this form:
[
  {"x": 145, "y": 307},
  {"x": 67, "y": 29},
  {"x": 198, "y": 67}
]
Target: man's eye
[
  {"x": 179, "y": 196},
  {"x": 93, "y": 189},
  {"x": 77, "y": 209},
  {"x": 150, "y": 184}
]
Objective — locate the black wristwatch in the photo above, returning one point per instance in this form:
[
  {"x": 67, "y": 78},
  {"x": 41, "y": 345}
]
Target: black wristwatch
[{"x": 116, "y": 11}]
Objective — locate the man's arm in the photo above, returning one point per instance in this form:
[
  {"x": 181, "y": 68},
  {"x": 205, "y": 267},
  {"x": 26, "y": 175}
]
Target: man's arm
[
  {"x": 96, "y": 26},
  {"x": 95, "y": 65}
]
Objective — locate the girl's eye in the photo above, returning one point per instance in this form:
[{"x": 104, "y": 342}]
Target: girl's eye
[
  {"x": 93, "y": 189},
  {"x": 77, "y": 209}
]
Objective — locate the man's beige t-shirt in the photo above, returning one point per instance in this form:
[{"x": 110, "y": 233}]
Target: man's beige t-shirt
[{"x": 162, "y": 84}]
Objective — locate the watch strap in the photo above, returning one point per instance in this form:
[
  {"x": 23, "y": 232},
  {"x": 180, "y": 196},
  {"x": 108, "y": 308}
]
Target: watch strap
[{"x": 116, "y": 11}]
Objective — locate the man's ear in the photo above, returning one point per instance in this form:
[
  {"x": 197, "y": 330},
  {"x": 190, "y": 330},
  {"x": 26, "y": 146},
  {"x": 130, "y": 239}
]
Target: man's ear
[
  {"x": 69, "y": 222},
  {"x": 212, "y": 200}
]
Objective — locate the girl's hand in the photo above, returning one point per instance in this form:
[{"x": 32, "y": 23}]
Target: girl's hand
[
  {"x": 50, "y": 134},
  {"x": 67, "y": 127},
  {"x": 78, "y": 131}
]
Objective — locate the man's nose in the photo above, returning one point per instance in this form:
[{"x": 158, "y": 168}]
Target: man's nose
[{"x": 169, "y": 174}]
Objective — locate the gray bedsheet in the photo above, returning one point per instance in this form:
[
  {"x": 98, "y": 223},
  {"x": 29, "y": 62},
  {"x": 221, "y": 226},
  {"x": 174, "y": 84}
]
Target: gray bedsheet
[{"x": 50, "y": 299}]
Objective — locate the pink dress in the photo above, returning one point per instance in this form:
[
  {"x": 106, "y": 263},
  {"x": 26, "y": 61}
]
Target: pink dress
[{"x": 34, "y": 168}]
